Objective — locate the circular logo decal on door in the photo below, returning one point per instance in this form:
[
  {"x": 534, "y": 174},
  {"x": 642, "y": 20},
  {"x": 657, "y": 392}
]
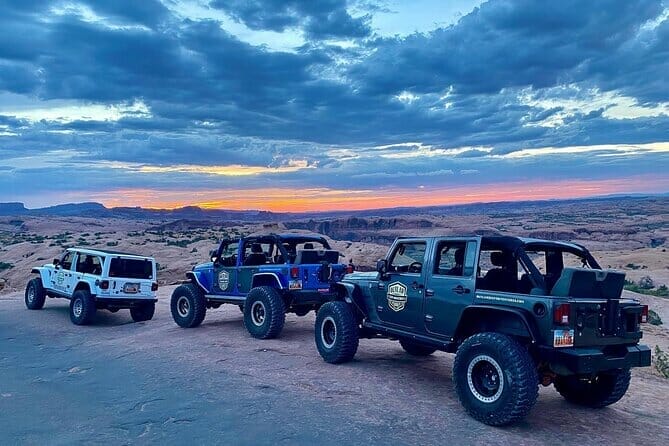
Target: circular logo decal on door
[
  {"x": 223, "y": 280},
  {"x": 397, "y": 296}
]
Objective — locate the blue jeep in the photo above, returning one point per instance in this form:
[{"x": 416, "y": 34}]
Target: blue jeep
[{"x": 266, "y": 276}]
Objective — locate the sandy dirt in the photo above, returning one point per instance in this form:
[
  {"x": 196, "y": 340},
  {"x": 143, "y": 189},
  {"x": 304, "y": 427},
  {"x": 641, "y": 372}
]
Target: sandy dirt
[{"x": 122, "y": 382}]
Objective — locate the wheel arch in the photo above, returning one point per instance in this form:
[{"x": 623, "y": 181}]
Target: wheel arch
[
  {"x": 43, "y": 275},
  {"x": 351, "y": 294},
  {"x": 196, "y": 278},
  {"x": 481, "y": 318},
  {"x": 82, "y": 285},
  {"x": 267, "y": 279}
]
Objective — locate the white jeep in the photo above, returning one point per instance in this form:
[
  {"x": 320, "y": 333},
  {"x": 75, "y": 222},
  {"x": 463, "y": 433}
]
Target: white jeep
[{"x": 96, "y": 279}]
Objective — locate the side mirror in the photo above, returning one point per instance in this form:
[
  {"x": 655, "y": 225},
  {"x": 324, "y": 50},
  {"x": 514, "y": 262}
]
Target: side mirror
[
  {"x": 56, "y": 263},
  {"x": 213, "y": 256},
  {"x": 382, "y": 266}
]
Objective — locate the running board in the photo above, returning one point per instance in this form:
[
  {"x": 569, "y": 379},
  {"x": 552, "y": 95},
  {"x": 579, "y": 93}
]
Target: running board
[
  {"x": 225, "y": 299},
  {"x": 447, "y": 346}
]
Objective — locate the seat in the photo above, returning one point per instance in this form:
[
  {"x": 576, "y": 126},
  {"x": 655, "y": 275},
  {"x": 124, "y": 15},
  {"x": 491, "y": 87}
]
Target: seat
[
  {"x": 308, "y": 246},
  {"x": 576, "y": 282},
  {"x": 257, "y": 256},
  {"x": 501, "y": 278},
  {"x": 459, "y": 261}
]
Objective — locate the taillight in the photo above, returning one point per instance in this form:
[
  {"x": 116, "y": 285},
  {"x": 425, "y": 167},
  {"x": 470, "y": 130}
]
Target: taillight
[
  {"x": 295, "y": 272},
  {"x": 349, "y": 269},
  {"x": 561, "y": 314},
  {"x": 104, "y": 284},
  {"x": 154, "y": 286},
  {"x": 643, "y": 317}
]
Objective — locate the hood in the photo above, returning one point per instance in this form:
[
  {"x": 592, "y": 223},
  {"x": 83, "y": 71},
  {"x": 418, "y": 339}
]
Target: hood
[
  {"x": 203, "y": 266},
  {"x": 360, "y": 275}
]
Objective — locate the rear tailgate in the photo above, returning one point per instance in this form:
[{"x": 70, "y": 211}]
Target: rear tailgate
[{"x": 600, "y": 322}]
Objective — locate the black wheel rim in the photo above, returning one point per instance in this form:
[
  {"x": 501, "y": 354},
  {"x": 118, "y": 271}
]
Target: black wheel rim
[{"x": 485, "y": 379}]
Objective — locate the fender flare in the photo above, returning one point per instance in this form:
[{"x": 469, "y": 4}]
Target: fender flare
[
  {"x": 514, "y": 312},
  {"x": 350, "y": 293},
  {"x": 43, "y": 274},
  {"x": 194, "y": 277},
  {"x": 274, "y": 277}
]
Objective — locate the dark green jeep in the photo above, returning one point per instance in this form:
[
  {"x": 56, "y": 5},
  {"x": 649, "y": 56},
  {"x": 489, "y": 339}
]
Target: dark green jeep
[{"x": 517, "y": 312}]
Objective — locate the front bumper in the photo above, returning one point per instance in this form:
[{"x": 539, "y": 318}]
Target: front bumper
[{"x": 582, "y": 360}]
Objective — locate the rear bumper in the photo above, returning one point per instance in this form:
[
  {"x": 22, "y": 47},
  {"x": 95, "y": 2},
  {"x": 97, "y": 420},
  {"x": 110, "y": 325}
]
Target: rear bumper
[
  {"x": 592, "y": 360},
  {"x": 116, "y": 302},
  {"x": 306, "y": 297}
]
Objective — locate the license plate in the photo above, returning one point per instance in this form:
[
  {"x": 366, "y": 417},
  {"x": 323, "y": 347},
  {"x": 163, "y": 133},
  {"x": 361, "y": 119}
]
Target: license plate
[
  {"x": 131, "y": 288},
  {"x": 295, "y": 285},
  {"x": 563, "y": 338}
]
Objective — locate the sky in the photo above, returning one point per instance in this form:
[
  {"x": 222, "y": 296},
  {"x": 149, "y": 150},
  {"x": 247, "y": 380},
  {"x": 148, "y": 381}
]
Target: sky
[{"x": 301, "y": 105}]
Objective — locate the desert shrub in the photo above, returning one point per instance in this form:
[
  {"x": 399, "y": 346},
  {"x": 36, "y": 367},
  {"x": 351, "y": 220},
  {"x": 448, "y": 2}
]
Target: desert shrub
[
  {"x": 5, "y": 265},
  {"x": 654, "y": 318},
  {"x": 661, "y": 362},
  {"x": 112, "y": 243},
  {"x": 646, "y": 283},
  {"x": 193, "y": 250}
]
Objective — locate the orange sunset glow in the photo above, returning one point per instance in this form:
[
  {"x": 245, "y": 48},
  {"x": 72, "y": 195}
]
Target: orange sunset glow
[{"x": 320, "y": 199}]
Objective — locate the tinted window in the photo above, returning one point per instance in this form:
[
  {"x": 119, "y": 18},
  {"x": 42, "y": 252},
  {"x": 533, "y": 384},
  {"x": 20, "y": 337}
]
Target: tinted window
[
  {"x": 66, "y": 261},
  {"x": 408, "y": 257},
  {"x": 450, "y": 258},
  {"x": 130, "y": 268},
  {"x": 89, "y": 264}
]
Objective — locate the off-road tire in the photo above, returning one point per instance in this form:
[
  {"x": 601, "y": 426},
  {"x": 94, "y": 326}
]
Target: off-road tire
[
  {"x": 82, "y": 308},
  {"x": 605, "y": 389},
  {"x": 35, "y": 295},
  {"x": 336, "y": 332},
  {"x": 264, "y": 312},
  {"x": 416, "y": 349},
  {"x": 188, "y": 305},
  {"x": 143, "y": 311},
  {"x": 478, "y": 361}
]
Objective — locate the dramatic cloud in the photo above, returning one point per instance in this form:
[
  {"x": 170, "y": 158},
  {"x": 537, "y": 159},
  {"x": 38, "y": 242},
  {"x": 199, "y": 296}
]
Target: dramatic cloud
[{"x": 178, "y": 96}]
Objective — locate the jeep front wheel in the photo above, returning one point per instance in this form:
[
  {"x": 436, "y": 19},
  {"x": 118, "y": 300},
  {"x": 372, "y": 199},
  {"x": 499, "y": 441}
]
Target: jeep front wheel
[
  {"x": 495, "y": 378},
  {"x": 415, "y": 349},
  {"x": 188, "y": 305},
  {"x": 143, "y": 311},
  {"x": 264, "y": 312},
  {"x": 82, "y": 308},
  {"x": 336, "y": 332},
  {"x": 35, "y": 294},
  {"x": 604, "y": 389}
]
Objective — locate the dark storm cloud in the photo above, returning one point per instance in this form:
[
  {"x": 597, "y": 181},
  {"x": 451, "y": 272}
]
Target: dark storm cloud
[
  {"x": 508, "y": 44},
  {"x": 323, "y": 19},
  {"x": 492, "y": 80}
]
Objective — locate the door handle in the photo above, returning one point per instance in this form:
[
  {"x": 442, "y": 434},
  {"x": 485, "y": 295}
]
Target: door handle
[
  {"x": 417, "y": 286},
  {"x": 460, "y": 290},
  {"x": 429, "y": 292}
]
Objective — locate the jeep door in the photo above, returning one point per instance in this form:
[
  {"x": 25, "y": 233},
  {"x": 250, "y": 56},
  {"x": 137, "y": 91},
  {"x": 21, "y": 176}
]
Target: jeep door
[
  {"x": 225, "y": 269},
  {"x": 62, "y": 277},
  {"x": 399, "y": 295},
  {"x": 451, "y": 283}
]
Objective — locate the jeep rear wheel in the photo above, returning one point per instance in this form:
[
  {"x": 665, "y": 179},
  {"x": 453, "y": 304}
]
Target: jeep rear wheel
[
  {"x": 188, "y": 305},
  {"x": 604, "y": 389},
  {"x": 35, "y": 295},
  {"x": 416, "y": 349},
  {"x": 82, "y": 308},
  {"x": 495, "y": 378},
  {"x": 143, "y": 311},
  {"x": 336, "y": 332},
  {"x": 264, "y": 312}
]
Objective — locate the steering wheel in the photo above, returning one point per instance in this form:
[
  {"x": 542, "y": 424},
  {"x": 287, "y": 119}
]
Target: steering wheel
[{"x": 415, "y": 267}]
